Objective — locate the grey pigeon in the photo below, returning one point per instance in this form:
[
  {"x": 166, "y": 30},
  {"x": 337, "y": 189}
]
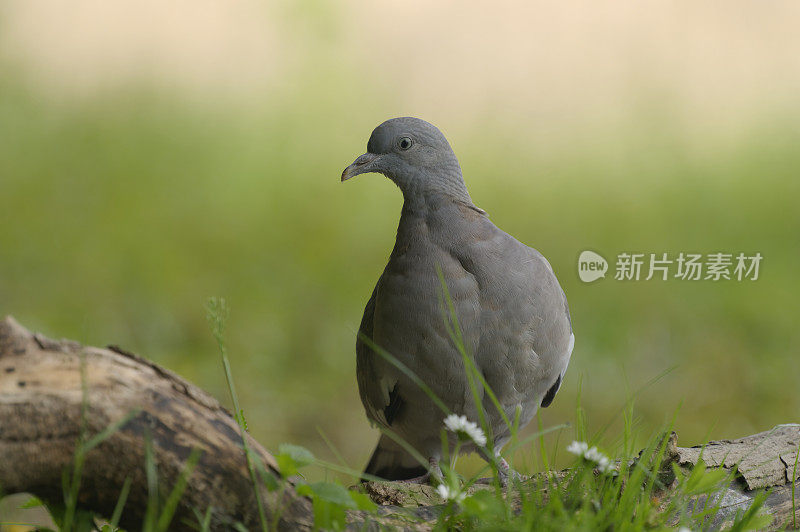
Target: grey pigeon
[{"x": 509, "y": 306}]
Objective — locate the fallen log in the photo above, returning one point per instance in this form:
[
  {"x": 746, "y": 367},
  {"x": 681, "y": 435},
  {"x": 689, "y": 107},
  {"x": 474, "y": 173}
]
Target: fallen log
[{"x": 42, "y": 411}]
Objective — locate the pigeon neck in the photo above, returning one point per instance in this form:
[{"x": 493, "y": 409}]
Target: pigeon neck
[{"x": 423, "y": 193}]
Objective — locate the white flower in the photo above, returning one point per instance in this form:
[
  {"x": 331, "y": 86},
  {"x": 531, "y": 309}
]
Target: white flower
[
  {"x": 578, "y": 447},
  {"x": 462, "y": 426},
  {"x": 450, "y": 494},
  {"x": 684, "y": 529},
  {"x": 582, "y": 449},
  {"x": 604, "y": 464},
  {"x": 593, "y": 455}
]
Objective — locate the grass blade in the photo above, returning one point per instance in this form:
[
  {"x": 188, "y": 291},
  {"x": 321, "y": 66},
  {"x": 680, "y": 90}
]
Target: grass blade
[
  {"x": 123, "y": 497},
  {"x": 151, "y": 475},
  {"x": 174, "y": 497},
  {"x": 108, "y": 431},
  {"x": 406, "y": 371},
  {"x": 217, "y": 314}
]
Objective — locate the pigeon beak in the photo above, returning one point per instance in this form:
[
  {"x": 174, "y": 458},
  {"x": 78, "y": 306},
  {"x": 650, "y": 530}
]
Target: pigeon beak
[{"x": 362, "y": 165}]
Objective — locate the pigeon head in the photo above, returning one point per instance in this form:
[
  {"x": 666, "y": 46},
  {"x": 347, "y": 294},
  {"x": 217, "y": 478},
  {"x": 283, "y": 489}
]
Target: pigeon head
[{"x": 416, "y": 156}]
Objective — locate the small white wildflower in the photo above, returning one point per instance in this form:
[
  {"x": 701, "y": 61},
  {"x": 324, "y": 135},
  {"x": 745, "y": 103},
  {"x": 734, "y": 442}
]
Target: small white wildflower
[
  {"x": 593, "y": 455},
  {"x": 462, "y": 426},
  {"x": 582, "y": 449},
  {"x": 684, "y": 529},
  {"x": 604, "y": 464},
  {"x": 577, "y": 447},
  {"x": 450, "y": 494}
]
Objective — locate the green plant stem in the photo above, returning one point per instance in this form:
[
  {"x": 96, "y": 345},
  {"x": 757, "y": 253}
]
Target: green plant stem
[
  {"x": 794, "y": 486},
  {"x": 217, "y": 315}
]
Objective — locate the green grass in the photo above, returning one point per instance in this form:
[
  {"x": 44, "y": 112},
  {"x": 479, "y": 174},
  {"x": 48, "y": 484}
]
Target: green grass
[{"x": 637, "y": 492}]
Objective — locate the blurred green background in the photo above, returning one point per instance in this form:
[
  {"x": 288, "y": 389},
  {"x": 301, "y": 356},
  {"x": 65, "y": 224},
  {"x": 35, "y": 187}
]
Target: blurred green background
[{"x": 153, "y": 155}]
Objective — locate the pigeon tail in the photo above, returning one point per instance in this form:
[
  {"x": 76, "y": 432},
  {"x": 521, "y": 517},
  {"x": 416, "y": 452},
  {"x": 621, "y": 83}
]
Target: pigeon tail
[{"x": 391, "y": 462}]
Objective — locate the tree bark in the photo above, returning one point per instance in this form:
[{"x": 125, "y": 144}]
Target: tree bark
[
  {"x": 45, "y": 402},
  {"x": 763, "y": 461}
]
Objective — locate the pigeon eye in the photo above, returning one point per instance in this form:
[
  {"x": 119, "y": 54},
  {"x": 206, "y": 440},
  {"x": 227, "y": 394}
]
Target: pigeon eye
[{"x": 405, "y": 143}]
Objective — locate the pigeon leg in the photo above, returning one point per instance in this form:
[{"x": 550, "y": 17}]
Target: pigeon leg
[{"x": 504, "y": 470}]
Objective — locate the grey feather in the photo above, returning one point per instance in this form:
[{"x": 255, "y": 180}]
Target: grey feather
[{"x": 508, "y": 302}]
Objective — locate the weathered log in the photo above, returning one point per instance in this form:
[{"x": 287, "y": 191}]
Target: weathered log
[
  {"x": 41, "y": 418},
  {"x": 762, "y": 461},
  {"x": 42, "y": 411}
]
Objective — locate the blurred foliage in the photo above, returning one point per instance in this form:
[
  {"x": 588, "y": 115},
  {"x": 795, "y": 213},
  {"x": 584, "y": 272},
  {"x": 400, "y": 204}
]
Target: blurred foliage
[{"x": 122, "y": 213}]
